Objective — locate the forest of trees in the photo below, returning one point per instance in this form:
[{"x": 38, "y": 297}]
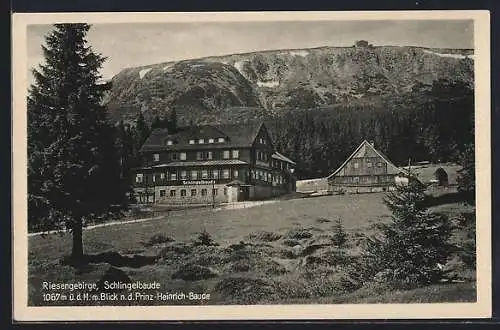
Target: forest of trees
[{"x": 431, "y": 123}]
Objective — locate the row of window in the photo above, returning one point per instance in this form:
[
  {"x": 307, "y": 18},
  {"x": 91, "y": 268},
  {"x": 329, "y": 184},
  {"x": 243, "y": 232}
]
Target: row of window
[
  {"x": 267, "y": 176},
  {"x": 280, "y": 165},
  {"x": 202, "y": 141},
  {"x": 224, "y": 173},
  {"x": 365, "y": 179},
  {"x": 201, "y": 155},
  {"x": 368, "y": 164},
  {"x": 193, "y": 192}
]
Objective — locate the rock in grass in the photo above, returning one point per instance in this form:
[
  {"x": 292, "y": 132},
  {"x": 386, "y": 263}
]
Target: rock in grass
[{"x": 193, "y": 272}]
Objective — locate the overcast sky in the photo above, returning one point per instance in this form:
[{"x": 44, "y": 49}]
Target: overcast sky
[{"x": 129, "y": 45}]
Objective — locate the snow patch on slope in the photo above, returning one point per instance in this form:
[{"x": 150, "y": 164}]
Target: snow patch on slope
[
  {"x": 168, "y": 66},
  {"x": 268, "y": 84},
  {"x": 239, "y": 66},
  {"x": 143, "y": 72},
  {"x": 458, "y": 56}
]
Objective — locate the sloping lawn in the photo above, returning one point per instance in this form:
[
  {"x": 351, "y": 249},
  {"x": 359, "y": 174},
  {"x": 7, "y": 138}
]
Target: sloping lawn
[{"x": 266, "y": 254}]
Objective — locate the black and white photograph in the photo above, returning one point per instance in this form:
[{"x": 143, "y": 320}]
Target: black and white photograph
[{"x": 299, "y": 164}]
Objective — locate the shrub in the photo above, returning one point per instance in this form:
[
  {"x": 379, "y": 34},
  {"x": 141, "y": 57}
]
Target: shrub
[
  {"x": 158, "y": 239},
  {"x": 246, "y": 290},
  {"x": 204, "y": 238},
  {"x": 299, "y": 233},
  {"x": 264, "y": 236},
  {"x": 291, "y": 242}
]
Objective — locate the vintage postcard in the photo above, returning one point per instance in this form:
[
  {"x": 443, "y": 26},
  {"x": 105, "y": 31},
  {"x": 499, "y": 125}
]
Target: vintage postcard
[{"x": 251, "y": 165}]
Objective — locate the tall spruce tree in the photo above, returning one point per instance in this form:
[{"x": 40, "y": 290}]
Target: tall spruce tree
[
  {"x": 73, "y": 168},
  {"x": 407, "y": 251}
]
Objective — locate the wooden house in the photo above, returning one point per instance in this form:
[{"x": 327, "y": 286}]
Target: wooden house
[
  {"x": 212, "y": 164},
  {"x": 366, "y": 170}
]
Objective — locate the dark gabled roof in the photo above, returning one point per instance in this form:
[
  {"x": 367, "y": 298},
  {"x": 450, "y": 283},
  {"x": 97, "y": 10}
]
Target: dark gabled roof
[
  {"x": 235, "y": 135},
  {"x": 366, "y": 149}
]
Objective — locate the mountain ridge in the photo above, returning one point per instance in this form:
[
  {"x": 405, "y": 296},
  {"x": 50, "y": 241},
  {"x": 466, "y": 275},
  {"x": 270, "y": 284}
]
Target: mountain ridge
[{"x": 201, "y": 89}]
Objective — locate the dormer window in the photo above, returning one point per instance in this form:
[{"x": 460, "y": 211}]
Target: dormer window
[
  {"x": 191, "y": 141},
  {"x": 210, "y": 140},
  {"x": 156, "y": 157},
  {"x": 169, "y": 142},
  {"x": 201, "y": 141},
  {"x": 221, "y": 139}
]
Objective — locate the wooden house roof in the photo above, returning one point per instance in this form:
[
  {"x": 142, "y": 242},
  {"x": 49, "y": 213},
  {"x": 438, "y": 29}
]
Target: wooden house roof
[
  {"x": 235, "y": 135},
  {"x": 366, "y": 149}
]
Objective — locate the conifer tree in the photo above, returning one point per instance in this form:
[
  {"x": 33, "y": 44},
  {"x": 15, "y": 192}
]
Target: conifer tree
[
  {"x": 172, "y": 122},
  {"x": 142, "y": 130},
  {"x": 72, "y": 161},
  {"x": 407, "y": 251}
]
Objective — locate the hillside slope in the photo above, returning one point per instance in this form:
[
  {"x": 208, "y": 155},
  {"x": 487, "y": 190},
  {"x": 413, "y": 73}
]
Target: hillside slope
[{"x": 208, "y": 89}]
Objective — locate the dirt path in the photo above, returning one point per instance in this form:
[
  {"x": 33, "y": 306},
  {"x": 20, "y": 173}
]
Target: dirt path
[
  {"x": 229, "y": 206},
  {"x": 112, "y": 223}
]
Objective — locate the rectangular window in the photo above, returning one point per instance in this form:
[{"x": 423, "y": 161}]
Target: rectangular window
[
  {"x": 225, "y": 173},
  {"x": 356, "y": 179},
  {"x": 194, "y": 175},
  {"x": 202, "y": 155},
  {"x": 235, "y": 174},
  {"x": 215, "y": 173},
  {"x": 183, "y": 192},
  {"x": 169, "y": 142},
  {"x": 220, "y": 140},
  {"x": 369, "y": 164},
  {"x": 226, "y": 154},
  {"x": 210, "y": 140},
  {"x": 156, "y": 157},
  {"x": 173, "y": 176},
  {"x": 356, "y": 164},
  {"x": 236, "y": 154},
  {"x": 163, "y": 193},
  {"x": 173, "y": 156},
  {"x": 203, "y": 192},
  {"x": 183, "y": 156},
  {"x": 191, "y": 141},
  {"x": 183, "y": 175},
  {"x": 154, "y": 177},
  {"x": 380, "y": 164},
  {"x": 193, "y": 192},
  {"x": 162, "y": 176},
  {"x": 214, "y": 191},
  {"x": 172, "y": 193},
  {"x": 225, "y": 191},
  {"x": 204, "y": 174},
  {"x": 201, "y": 141}
]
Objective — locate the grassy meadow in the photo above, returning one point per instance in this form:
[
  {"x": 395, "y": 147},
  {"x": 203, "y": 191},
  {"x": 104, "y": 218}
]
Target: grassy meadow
[{"x": 279, "y": 252}]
